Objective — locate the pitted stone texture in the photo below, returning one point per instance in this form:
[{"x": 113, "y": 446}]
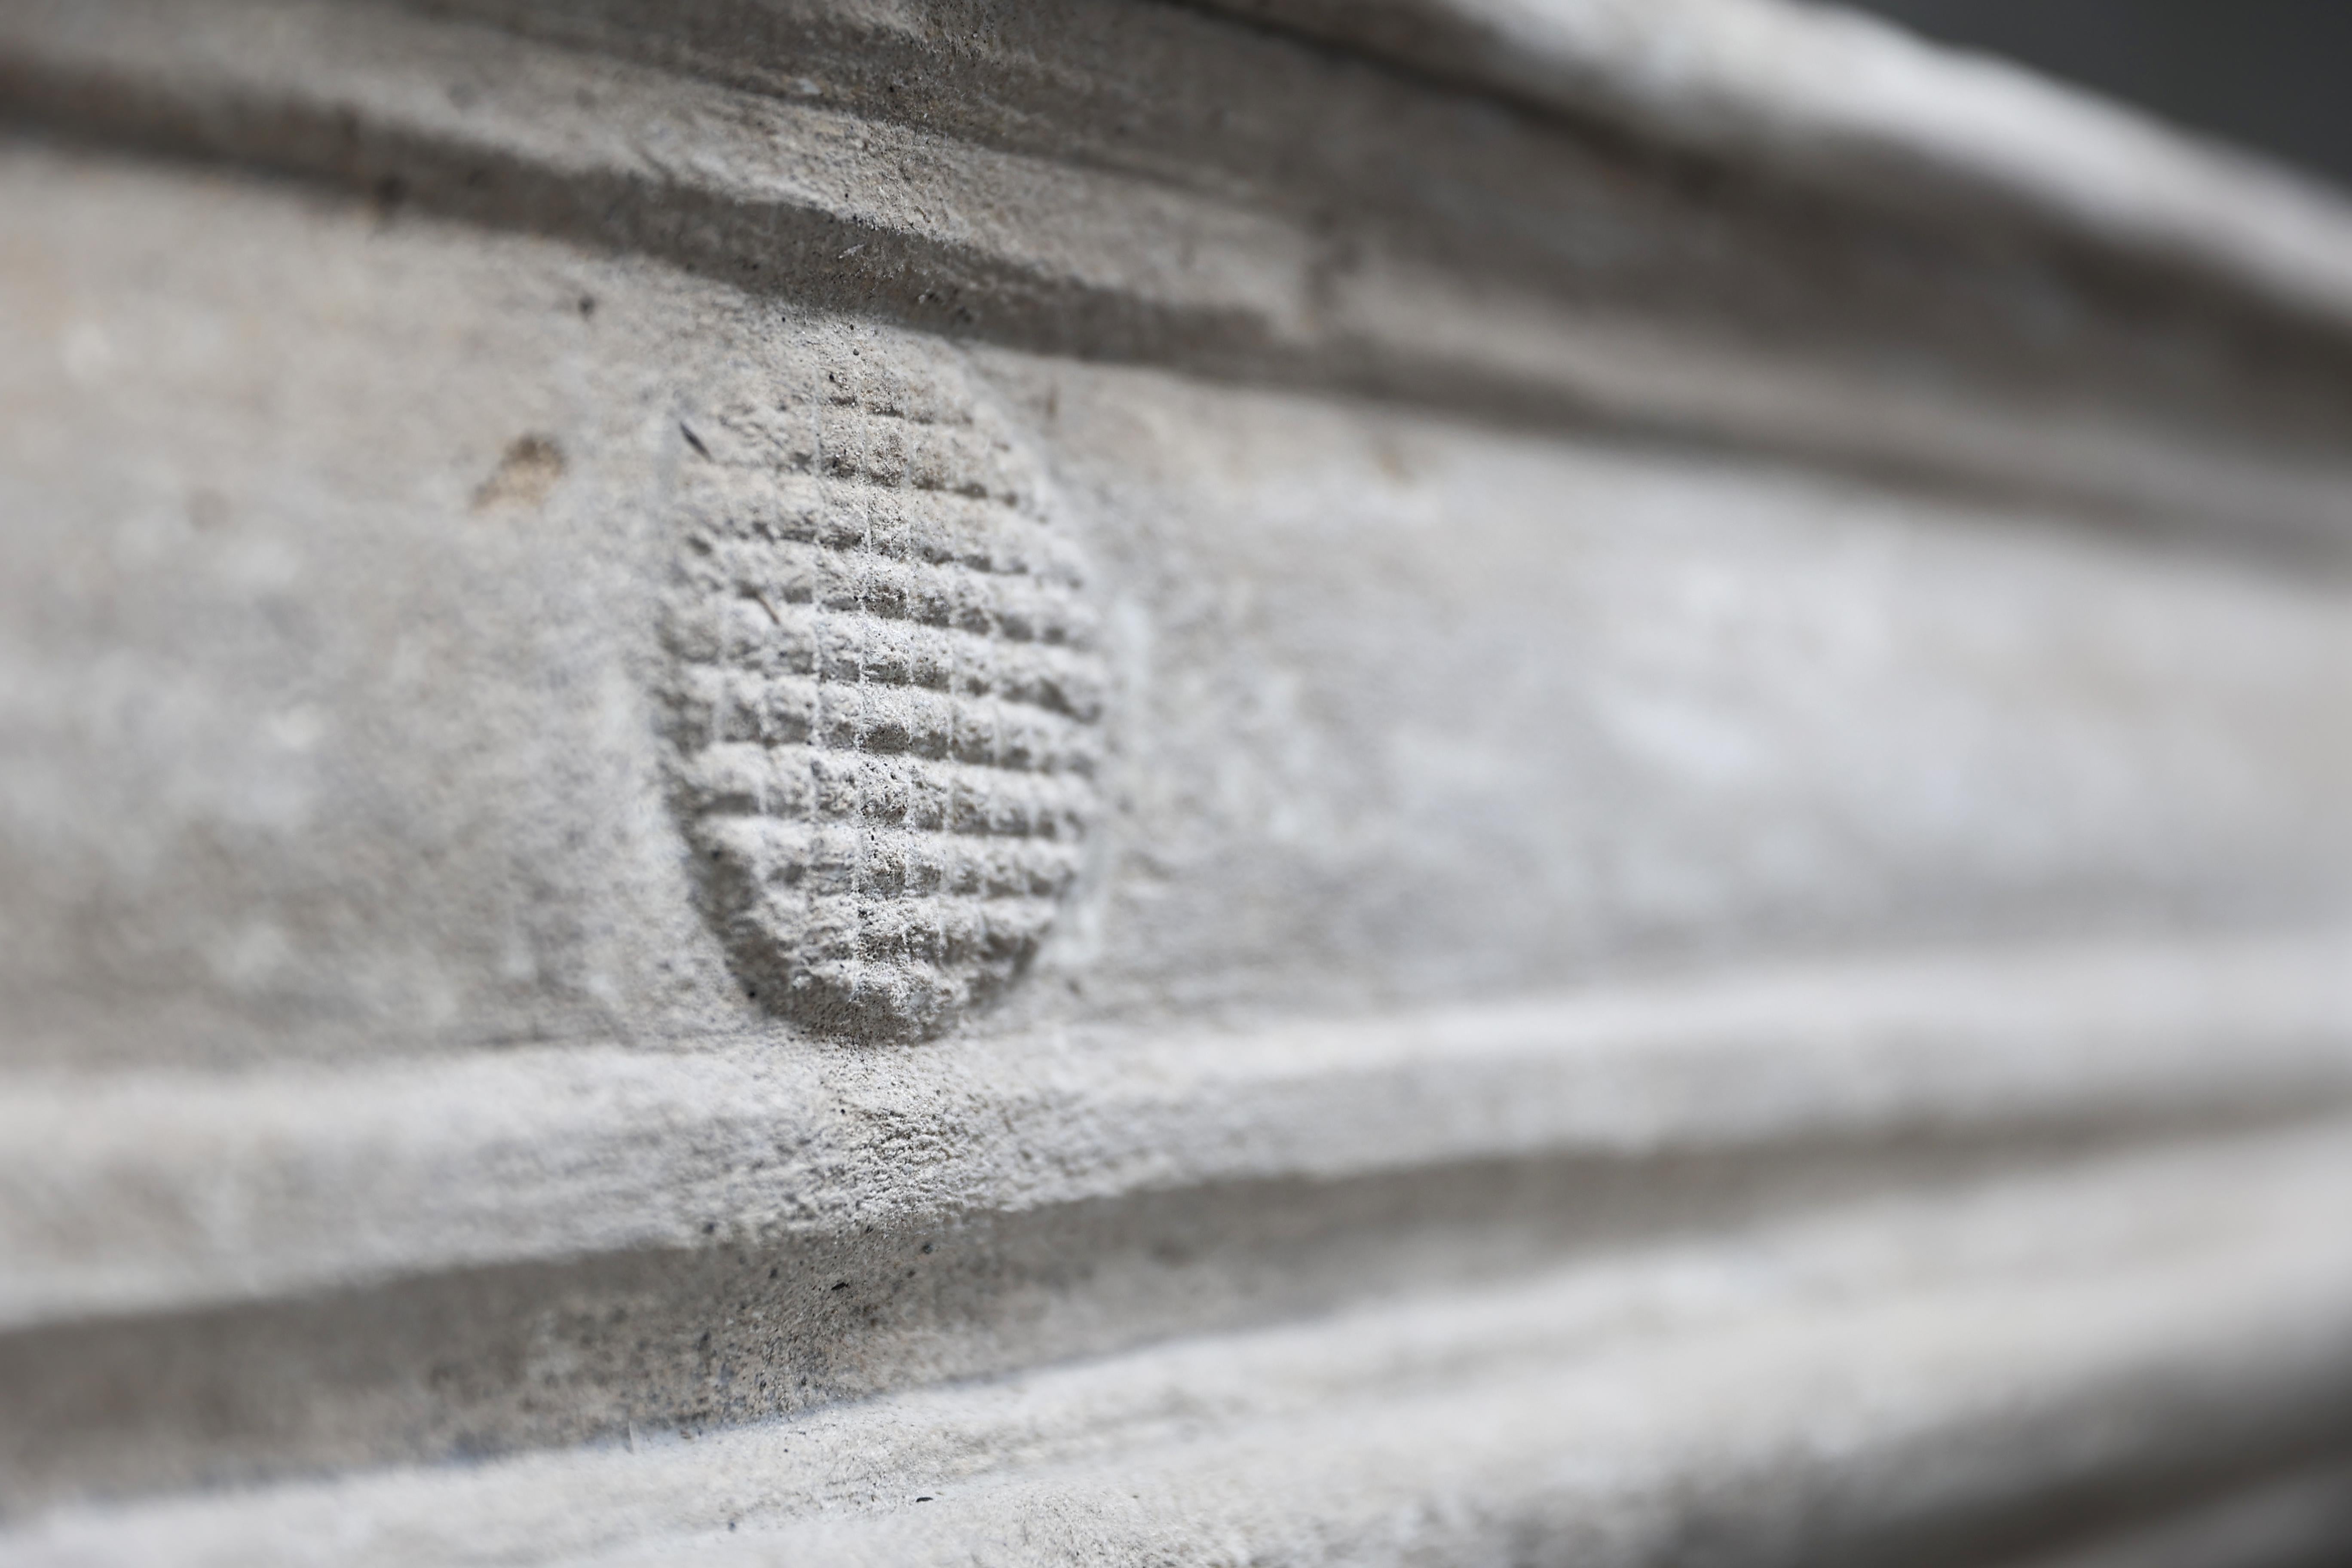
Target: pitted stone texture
[{"x": 886, "y": 694}]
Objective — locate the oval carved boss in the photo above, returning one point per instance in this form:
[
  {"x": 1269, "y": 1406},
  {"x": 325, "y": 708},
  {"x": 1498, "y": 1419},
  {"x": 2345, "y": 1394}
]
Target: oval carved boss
[{"x": 887, "y": 691}]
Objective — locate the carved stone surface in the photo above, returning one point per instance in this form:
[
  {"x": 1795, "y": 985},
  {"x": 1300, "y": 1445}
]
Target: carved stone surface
[
  {"x": 1661, "y": 687},
  {"x": 886, "y": 692}
]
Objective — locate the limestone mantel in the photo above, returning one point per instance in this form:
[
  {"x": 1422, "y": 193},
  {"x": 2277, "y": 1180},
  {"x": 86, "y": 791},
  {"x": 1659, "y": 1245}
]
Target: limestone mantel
[{"x": 886, "y": 781}]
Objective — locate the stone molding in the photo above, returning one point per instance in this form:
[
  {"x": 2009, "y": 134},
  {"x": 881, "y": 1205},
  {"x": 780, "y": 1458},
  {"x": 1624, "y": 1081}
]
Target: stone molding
[{"x": 1108, "y": 781}]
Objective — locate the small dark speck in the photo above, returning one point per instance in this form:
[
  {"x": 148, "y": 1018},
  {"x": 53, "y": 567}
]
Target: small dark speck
[
  {"x": 730, "y": 1526},
  {"x": 587, "y": 306},
  {"x": 927, "y": 1246},
  {"x": 922, "y": 1500},
  {"x": 772, "y": 1274},
  {"x": 709, "y": 1225},
  {"x": 692, "y": 439},
  {"x": 526, "y": 473},
  {"x": 843, "y": 1285}
]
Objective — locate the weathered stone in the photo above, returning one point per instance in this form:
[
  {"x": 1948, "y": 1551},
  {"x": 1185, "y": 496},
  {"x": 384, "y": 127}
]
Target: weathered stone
[{"x": 1432, "y": 781}]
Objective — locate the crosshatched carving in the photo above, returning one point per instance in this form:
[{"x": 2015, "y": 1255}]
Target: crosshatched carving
[{"x": 888, "y": 687}]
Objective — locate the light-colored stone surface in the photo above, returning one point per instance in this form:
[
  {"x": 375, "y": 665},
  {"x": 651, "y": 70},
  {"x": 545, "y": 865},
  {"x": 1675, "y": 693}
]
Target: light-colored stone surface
[
  {"x": 1075, "y": 784},
  {"x": 888, "y": 689},
  {"x": 1818, "y": 1383},
  {"x": 339, "y": 747},
  {"x": 1830, "y": 98},
  {"x": 1253, "y": 208}
]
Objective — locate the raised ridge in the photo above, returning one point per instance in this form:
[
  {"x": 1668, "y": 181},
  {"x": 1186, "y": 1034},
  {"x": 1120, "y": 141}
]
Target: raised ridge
[
  {"x": 409, "y": 1166},
  {"x": 1838, "y": 99},
  {"x": 1891, "y": 1374},
  {"x": 1046, "y": 248}
]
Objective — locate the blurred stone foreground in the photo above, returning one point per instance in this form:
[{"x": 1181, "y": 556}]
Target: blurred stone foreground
[{"x": 1470, "y": 782}]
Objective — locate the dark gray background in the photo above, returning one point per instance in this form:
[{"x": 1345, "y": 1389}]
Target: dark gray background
[{"x": 2271, "y": 74}]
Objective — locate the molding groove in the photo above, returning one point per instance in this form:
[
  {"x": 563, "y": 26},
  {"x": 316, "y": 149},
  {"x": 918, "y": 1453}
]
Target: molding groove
[
  {"x": 298, "y": 1178},
  {"x": 795, "y": 188},
  {"x": 1611, "y": 1410}
]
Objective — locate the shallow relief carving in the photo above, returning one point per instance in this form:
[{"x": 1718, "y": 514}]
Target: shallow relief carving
[{"x": 887, "y": 686}]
